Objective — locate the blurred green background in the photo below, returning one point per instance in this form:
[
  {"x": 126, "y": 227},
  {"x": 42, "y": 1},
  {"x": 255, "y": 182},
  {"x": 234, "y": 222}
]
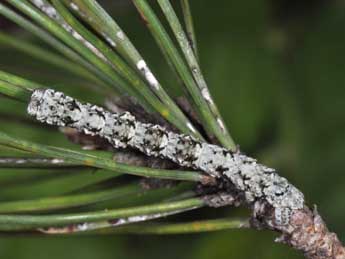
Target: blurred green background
[{"x": 276, "y": 69}]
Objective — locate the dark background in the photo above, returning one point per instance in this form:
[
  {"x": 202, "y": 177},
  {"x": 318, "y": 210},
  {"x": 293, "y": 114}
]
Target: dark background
[{"x": 276, "y": 69}]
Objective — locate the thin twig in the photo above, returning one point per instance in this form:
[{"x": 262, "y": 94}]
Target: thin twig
[{"x": 276, "y": 204}]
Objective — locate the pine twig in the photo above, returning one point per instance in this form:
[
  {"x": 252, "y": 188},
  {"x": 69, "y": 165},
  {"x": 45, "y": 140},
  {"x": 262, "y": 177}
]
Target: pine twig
[{"x": 276, "y": 203}]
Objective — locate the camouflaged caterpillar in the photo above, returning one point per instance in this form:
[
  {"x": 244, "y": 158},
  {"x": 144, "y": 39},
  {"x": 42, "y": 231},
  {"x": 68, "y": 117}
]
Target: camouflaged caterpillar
[{"x": 258, "y": 182}]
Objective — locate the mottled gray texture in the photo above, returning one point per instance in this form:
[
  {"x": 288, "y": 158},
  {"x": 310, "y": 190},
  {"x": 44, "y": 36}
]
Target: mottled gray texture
[{"x": 256, "y": 181}]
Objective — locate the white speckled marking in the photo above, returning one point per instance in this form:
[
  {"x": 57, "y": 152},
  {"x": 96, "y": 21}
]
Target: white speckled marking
[
  {"x": 109, "y": 40},
  {"x": 57, "y": 161},
  {"x": 74, "y": 6},
  {"x": 191, "y": 127},
  {"x": 221, "y": 124},
  {"x": 151, "y": 79},
  {"x": 120, "y": 35},
  {"x": 206, "y": 94}
]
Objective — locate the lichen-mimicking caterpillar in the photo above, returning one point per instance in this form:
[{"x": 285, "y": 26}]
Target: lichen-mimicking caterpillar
[{"x": 256, "y": 181}]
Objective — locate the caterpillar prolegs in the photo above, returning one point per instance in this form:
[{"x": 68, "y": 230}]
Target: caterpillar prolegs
[{"x": 256, "y": 181}]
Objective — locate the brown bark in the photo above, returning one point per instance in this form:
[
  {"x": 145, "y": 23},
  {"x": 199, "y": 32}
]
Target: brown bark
[{"x": 306, "y": 232}]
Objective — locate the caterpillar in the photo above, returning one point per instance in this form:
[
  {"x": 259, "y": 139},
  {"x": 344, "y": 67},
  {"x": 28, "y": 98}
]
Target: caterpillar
[{"x": 256, "y": 181}]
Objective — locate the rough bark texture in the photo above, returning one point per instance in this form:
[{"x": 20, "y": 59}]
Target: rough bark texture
[
  {"x": 276, "y": 203},
  {"x": 306, "y": 232}
]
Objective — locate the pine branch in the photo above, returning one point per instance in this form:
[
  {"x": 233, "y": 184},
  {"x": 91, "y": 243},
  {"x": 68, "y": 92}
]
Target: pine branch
[
  {"x": 229, "y": 178},
  {"x": 276, "y": 204}
]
